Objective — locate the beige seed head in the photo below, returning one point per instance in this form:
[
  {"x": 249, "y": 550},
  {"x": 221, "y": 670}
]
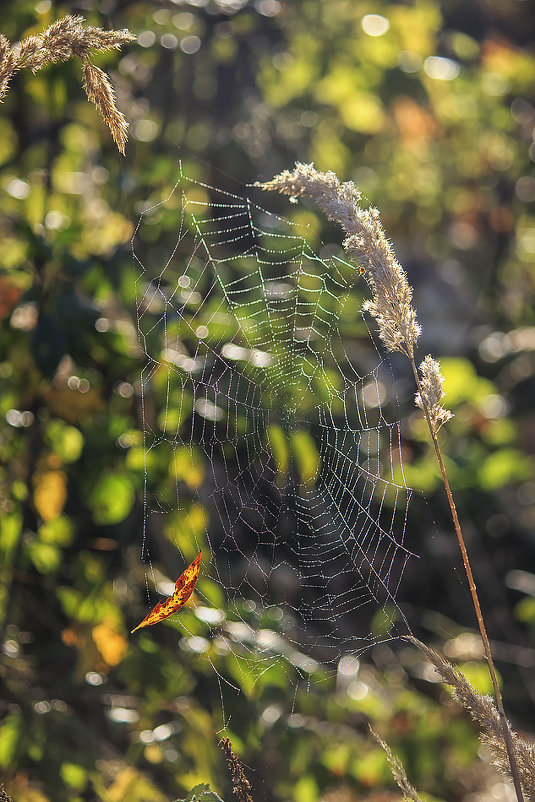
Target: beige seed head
[
  {"x": 431, "y": 393},
  {"x": 366, "y": 243},
  {"x": 65, "y": 39}
]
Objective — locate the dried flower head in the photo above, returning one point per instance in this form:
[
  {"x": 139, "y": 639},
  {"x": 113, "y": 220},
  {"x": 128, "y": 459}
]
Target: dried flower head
[
  {"x": 366, "y": 243},
  {"x": 65, "y": 39},
  {"x": 240, "y": 784},
  {"x": 431, "y": 393}
]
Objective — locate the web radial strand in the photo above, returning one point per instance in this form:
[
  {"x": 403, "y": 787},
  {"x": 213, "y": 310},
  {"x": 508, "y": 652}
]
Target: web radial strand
[{"x": 265, "y": 442}]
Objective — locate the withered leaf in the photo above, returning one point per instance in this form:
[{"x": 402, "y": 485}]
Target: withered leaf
[{"x": 183, "y": 589}]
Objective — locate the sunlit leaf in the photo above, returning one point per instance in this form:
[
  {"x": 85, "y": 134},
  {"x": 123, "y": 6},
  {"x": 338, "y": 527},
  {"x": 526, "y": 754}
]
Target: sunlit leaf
[
  {"x": 74, "y": 775},
  {"x": 10, "y": 529},
  {"x": 50, "y": 494},
  {"x": 183, "y": 589},
  {"x": 45, "y": 556},
  {"x": 58, "y": 532},
  {"x": 279, "y": 448},
  {"x": 187, "y": 465},
  {"x": 66, "y": 441},
  {"x": 10, "y": 734},
  {"x": 201, "y": 793},
  {"x": 306, "y": 789},
  {"x": 112, "y": 498},
  {"x": 505, "y": 466},
  {"x": 110, "y": 643}
]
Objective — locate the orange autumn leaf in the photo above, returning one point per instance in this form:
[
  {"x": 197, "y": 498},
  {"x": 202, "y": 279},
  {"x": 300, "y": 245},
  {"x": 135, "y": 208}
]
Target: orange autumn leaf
[
  {"x": 109, "y": 642},
  {"x": 183, "y": 589}
]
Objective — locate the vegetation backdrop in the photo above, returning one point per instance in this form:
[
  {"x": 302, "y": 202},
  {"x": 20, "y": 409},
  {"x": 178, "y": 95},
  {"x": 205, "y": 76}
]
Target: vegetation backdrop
[{"x": 428, "y": 106}]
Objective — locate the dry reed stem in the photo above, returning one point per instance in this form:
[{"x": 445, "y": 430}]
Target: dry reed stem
[
  {"x": 65, "y": 39},
  {"x": 486, "y": 716}
]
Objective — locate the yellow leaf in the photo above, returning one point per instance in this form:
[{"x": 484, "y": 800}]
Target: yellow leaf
[
  {"x": 134, "y": 786},
  {"x": 110, "y": 643},
  {"x": 50, "y": 494},
  {"x": 188, "y": 465}
]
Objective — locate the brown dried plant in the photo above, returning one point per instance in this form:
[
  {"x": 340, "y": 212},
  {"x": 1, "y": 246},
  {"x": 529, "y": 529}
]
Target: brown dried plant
[
  {"x": 391, "y": 306},
  {"x": 3, "y": 794},
  {"x": 240, "y": 784},
  {"x": 65, "y": 39}
]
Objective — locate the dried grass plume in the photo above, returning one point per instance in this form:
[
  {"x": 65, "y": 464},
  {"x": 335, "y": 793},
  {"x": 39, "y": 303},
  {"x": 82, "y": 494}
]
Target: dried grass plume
[
  {"x": 366, "y": 243},
  {"x": 391, "y": 306},
  {"x": 65, "y": 39},
  {"x": 398, "y": 771},
  {"x": 484, "y": 714}
]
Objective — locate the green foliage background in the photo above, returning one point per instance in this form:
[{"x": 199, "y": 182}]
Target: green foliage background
[{"x": 240, "y": 90}]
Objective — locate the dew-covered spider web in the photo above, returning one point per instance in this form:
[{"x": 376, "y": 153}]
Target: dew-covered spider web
[{"x": 272, "y": 433}]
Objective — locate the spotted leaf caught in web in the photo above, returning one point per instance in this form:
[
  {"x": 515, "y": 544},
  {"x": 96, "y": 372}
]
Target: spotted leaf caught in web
[{"x": 184, "y": 587}]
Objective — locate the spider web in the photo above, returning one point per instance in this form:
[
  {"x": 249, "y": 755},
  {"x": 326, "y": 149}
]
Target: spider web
[{"x": 272, "y": 435}]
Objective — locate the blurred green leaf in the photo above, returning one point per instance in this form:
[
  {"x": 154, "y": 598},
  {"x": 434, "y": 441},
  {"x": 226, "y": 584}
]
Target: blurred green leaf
[
  {"x": 504, "y": 467},
  {"x": 306, "y": 789},
  {"x": 66, "y": 441},
  {"x": 57, "y": 532},
  {"x": 45, "y": 556},
  {"x": 306, "y": 455},
  {"x": 74, "y": 775},
  {"x": 279, "y": 448},
  {"x": 10, "y": 736},
  {"x": 201, "y": 793},
  {"x": 111, "y": 498}
]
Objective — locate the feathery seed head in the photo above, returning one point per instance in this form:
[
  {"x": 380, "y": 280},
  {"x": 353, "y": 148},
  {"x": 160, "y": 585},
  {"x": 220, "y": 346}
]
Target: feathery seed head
[
  {"x": 65, "y": 39},
  {"x": 366, "y": 243},
  {"x": 431, "y": 393},
  {"x": 100, "y": 92},
  {"x": 484, "y": 714}
]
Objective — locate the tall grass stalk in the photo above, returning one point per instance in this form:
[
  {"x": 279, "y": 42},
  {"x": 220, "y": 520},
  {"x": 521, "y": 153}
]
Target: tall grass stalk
[{"x": 391, "y": 306}]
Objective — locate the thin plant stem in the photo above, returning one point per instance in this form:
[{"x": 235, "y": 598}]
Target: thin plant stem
[
  {"x": 391, "y": 306},
  {"x": 473, "y": 591}
]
